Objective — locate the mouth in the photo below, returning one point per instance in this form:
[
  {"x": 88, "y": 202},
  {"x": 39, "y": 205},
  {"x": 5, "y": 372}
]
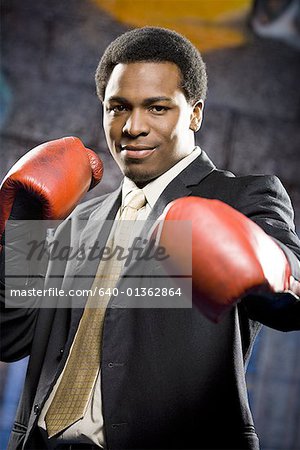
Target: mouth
[{"x": 137, "y": 151}]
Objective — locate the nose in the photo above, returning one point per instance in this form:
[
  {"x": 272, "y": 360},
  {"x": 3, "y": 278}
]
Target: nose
[{"x": 136, "y": 125}]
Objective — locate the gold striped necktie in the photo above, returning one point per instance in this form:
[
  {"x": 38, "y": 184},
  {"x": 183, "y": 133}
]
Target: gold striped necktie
[{"x": 81, "y": 369}]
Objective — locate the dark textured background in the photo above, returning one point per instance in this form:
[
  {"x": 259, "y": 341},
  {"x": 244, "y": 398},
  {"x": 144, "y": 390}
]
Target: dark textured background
[{"x": 50, "y": 51}]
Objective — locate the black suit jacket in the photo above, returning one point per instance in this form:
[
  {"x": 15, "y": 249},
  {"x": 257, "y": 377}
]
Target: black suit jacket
[{"x": 170, "y": 378}]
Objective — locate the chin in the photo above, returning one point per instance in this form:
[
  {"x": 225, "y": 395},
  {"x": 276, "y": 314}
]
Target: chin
[{"x": 140, "y": 178}]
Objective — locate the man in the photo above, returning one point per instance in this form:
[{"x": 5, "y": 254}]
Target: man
[{"x": 167, "y": 378}]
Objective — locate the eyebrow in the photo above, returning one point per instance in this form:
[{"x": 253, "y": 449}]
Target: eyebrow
[{"x": 146, "y": 102}]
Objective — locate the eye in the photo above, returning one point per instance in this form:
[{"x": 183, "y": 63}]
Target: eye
[
  {"x": 117, "y": 108},
  {"x": 158, "y": 109}
]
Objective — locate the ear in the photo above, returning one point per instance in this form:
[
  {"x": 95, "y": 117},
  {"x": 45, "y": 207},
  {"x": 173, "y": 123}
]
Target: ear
[{"x": 196, "y": 116}]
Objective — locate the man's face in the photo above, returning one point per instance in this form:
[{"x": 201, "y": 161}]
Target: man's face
[{"x": 148, "y": 122}]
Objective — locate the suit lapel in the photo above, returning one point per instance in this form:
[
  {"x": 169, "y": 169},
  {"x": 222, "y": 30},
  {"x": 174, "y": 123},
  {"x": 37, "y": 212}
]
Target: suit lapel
[
  {"x": 99, "y": 224},
  {"x": 97, "y": 230}
]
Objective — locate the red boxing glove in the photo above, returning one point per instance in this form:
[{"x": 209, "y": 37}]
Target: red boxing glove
[
  {"x": 231, "y": 255},
  {"x": 57, "y": 174}
]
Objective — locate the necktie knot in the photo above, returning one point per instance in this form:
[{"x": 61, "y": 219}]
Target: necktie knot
[{"x": 135, "y": 199}]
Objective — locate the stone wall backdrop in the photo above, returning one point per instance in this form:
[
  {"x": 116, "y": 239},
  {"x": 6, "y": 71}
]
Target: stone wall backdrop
[{"x": 49, "y": 54}]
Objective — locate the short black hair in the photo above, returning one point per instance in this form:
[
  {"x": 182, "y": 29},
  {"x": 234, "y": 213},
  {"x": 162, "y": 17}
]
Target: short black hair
[{"x": 155, "y": 44}]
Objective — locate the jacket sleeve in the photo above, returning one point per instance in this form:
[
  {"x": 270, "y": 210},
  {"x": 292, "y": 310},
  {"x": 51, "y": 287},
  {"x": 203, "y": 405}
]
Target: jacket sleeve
[
  {"x": 18, "y": 311},
  {"x": 265, "y": 201},
  {"x": 19, "y": 303}
]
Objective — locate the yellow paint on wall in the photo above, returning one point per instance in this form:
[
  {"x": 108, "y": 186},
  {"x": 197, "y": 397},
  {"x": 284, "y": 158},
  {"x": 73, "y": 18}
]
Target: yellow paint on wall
[{"x": 209, "y": 24}]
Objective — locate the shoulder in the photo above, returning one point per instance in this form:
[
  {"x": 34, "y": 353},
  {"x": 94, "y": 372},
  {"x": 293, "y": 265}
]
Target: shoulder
[
  {"x": 261, "y": 193},
  {"x": 262, "y": 198},
  {"x": 244, "y": 182},
  {"x": 206, "y": 180},
  {"x": 84, "y": 209},
  {"x": 235, "y": 190}
]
